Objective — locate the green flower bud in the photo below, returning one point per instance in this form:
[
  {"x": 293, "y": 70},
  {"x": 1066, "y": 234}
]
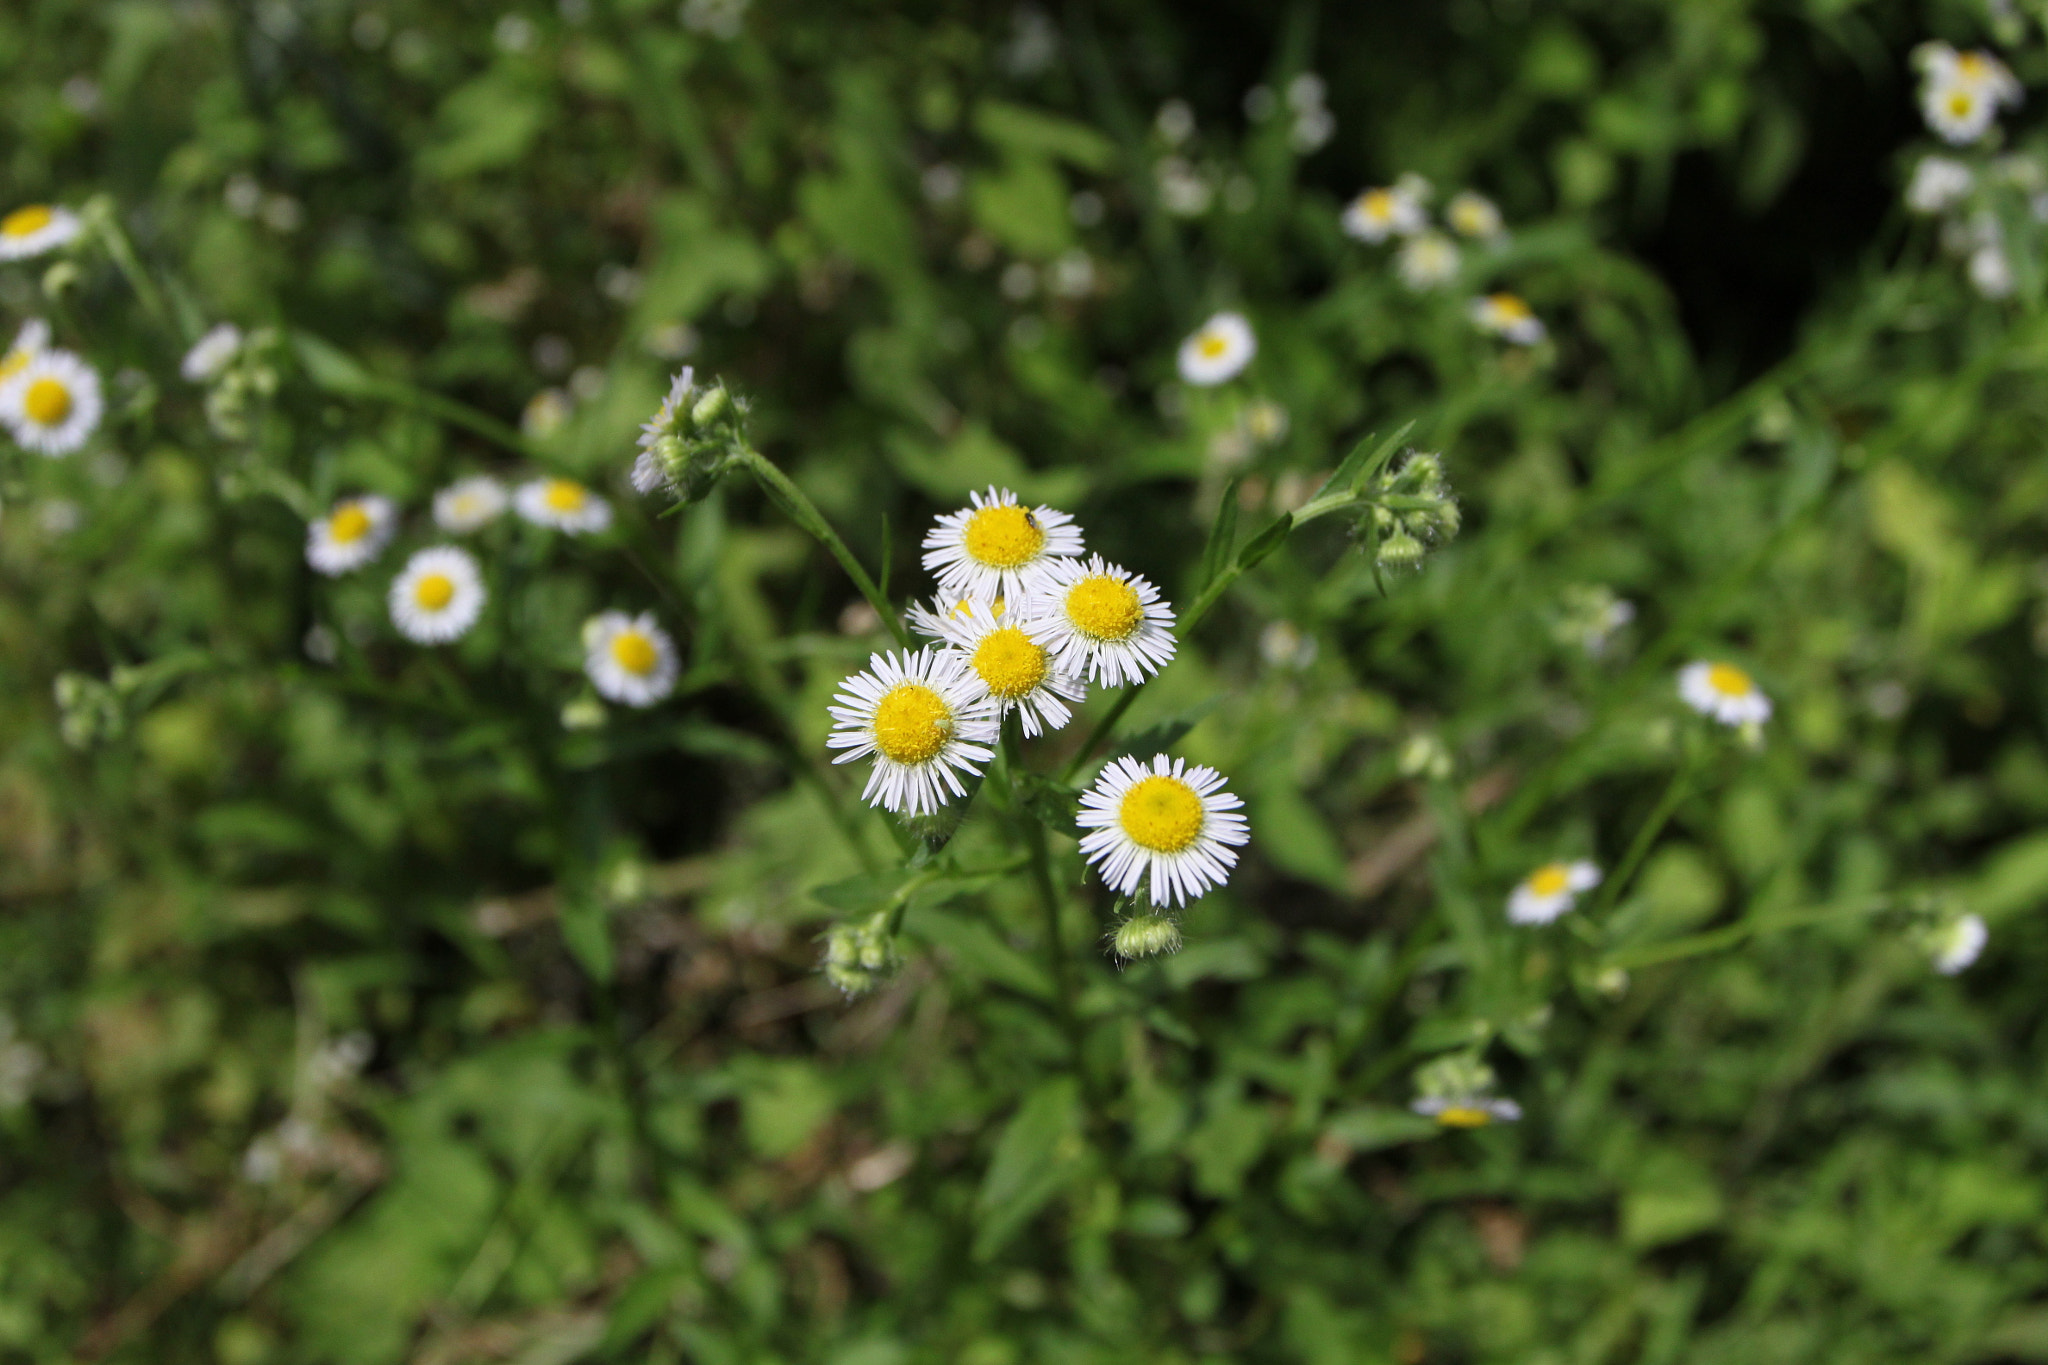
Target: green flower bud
[
  {"x": 1146, "y": 936},
  {"x": 1400, "y": 551},
  {"x": 715, "y": 404}
]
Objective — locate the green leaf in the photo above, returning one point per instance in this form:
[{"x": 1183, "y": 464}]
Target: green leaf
[
  {"x": 1163, "y": 735},
  {"x": 1370, "y": 1127},
  {"x": 1015, "y": 128},
  {"x": 330, "y": 367},
  {"x": 979, "y": 951},
  {"x": 1364, "y": 461},
  {"x": 488, "y": 123},
  {"x": 1039, "y": 1152},
  {"x": 1053, "y": 804},
  {"x": 782, "y": 1103},
  {"x": 1222, "y": 537},
  {"x": 1265, "y": 542}
]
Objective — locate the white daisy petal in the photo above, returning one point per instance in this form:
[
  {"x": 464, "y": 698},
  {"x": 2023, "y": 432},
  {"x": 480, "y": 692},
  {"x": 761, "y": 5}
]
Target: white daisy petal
[
  {"x": 1101, "y": 621},
  {"x": 51, "y": 402},
  {"x": 1550, "y": 891},
  {"x": 1013, "y": 668},
  {"x": 630, "y": 659},
  {"x": 469, "y": 504},
  {"x": 562, "y": 504},
  {"x": 211, "y": 353},
  {"x": 924, "y": 719},
  {"x": 1960, "y": 944},
  {"x": 1170, "y": 824},
  {"x": 31, "y": 341},
  {"x": 354, "y": 532},
  {"x": 998, "y": 548},
  {"x": 438, "y": 596},
  {"x": 34, "y": 229}
]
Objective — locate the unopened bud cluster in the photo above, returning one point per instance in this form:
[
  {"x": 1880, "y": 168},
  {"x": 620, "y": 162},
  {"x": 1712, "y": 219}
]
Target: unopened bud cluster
[
  {"x": 1152, "y": 935},
  {"x": 245, "y": 380},
  {"x": 689, "y": 443},
  {"x": 860, "y": 955},
  {"x": 1412, "y": 509},
  {"x": 89, "y": 711}
]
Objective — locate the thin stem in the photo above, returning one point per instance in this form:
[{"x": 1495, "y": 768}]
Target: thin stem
[
  {"x": 1647, "y": 835},
  {"x": 801, "y": 510},
  {"x": 122, "y": 252},
  {"x": 1695, "y": 945}
]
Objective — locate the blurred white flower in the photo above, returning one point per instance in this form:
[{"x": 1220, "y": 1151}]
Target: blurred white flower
[
  {"x": 720, "y": 19},
  {"x": 1472, "y": 214},
  {"x": 1508, "y": 317},
  {"x": 1383, "y": 212},
  {"x": 52, "y": 404},
  {"x": 1938, "y": 183},
  {"x": 1218, "y": 350},
  {"x": 1428, "y": 260},
  {"x": 1550, "y": 891},
  {"x": 469, "y": 504},
  {"x": 1175, "y": 122},
  {"x": 562, "y": 504},
  {"x": 438, "y": 596},
  {"x": 1962, "y": 92},
  {"x": 1959, "y": 943},
  {"x": 1723, "y": 692},
  {"x": 35, "y": 229},
  {"x": 629, "y": 659},
  {"x": 211, "y": 353}
]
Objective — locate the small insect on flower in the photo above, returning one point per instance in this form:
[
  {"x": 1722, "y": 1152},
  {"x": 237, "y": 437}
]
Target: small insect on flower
[
  {"x": 1508, "y": 317},
  {"x": 1724, "y": 693},
  {"x": 1550, "y": 891},
  {"x": 1939, "y": 183},
  {"x": 354, "y": 532},
  {"x": 438, "y": 596},
  {"x": 1428, "y": 261},
  {"x": 563, "y": 504},
  {"x": 1102, "y": 621},
  {"x": 29, "y": 343},
  {"x": 998, "y": 548},
  {"x": 34, "y": 229},
  {"x": 51, "y": 403},
  {"x": 469, "y": 504},
  {"x": 1015, "y": 668},
  {"x": 211, "y": 353},
  {"x": 1383, "y": 212},
  {"x": 1472, "y": 214},
  {"x": 1962, "y": 92},
  {"x": 1467, "y": 1111},
  {"x": 1171, "y": 824},
  {"x": 923, "y": 718},
  {"x": 1958, "y": 943},
  {"x": 630, "y": 659},
  {"x": 1218, "y": 350}
]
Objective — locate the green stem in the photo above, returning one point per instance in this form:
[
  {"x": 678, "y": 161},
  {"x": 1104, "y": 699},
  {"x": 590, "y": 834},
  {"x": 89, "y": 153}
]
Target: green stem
[
  {"x": 1695, "y": 945},
  {"x": 1048, "y": 889},
  {"x": 122, "y": 252},
  {"x": 801, "y": 510},
  {"x": 1610, "y": 893}
]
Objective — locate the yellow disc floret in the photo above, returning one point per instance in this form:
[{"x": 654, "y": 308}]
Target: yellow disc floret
[
  {"x": 25, "y": 221},
  {"x": 1552, "y": 879},
  {"x": 1010, "y": 663},
  {"x": 1729, "y": 681},
  {"x": 350, "y": 523},
  {"x": 1213, "y": 345},
  {"x": 1162, "y": 814},
  {"x": 1509, "y": 308},
  {"x": 1104, "y": 608},
  {"x": 1464, "y": 1116},
  {"x": 566, "y": 495},
  {"x": 434, "y": 591},
  {"x": 1960, "y": 102},
  {"x": 14, "y": 360},
  {"x": 1004, "y": 537},
  {"x": 47, "y": 402},
  {"x": 634, "y": 652},
  {"x": 912, "y": 723}
]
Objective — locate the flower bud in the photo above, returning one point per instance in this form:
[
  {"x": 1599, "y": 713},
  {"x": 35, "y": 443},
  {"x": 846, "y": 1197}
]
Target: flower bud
[
  {"x": 1146, "y": 936},
  {"x": 1400, "y": 551},
  {"x": 715, "y": 404},
  {"x": 60, "y": 279}
]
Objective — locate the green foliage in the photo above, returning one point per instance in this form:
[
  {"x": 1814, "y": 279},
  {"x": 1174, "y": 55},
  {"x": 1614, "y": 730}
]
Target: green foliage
[{"x": 364, "y": 1002}]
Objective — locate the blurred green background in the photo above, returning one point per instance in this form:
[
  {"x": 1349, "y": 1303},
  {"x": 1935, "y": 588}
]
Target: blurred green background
[{"x": 357, "y": 1011}]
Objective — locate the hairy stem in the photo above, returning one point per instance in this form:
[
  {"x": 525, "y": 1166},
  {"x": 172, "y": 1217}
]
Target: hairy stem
[{"x": 801, "y": 510}]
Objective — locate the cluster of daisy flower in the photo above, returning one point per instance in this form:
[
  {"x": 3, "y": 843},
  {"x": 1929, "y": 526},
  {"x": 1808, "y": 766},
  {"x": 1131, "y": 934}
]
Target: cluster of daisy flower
[
  {"x": 1023, "y": 622},
  {"x": 1978, "y": 195},
  {"x": 50, "y": 400},
  {"x": 1431, "y": 258}
]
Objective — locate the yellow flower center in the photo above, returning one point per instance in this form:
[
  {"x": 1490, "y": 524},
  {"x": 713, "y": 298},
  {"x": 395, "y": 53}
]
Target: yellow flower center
[
  {"x": 1010, "y": 663},
  {"x": 1972, "y": 67},
  {"x": 1552, "y": 879},
  {"x": 912, "y": 723},
  {"x": 12, "y": 362},
  {"x": 1464, "y": 1116},
  {"x": 47, "y": 402},
  {"x": 1377, "y": 204},
  {"x": 25, "y": 221},
  {"x": 1507, "y": 308},
  {"x": 434, "y": 591},
  {"x": 634, "y": 652},
  {"x": 1960, "y": 102},
  {"x": 566, "y": 495},
  {"x": 1212, "y": 345},
  {"x": 1162, "y": 814},
  {"x": 1729, "y": 681},
  {"x": 348, "y": 524},
  {"x": 1004, "y": 537},
  {"x": 1104, "y": 608}
]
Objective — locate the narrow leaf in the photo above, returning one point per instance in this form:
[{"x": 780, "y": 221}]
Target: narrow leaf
[
  {"x": 1265, "y": 542},
  {"x": 1222, "y": 536}
]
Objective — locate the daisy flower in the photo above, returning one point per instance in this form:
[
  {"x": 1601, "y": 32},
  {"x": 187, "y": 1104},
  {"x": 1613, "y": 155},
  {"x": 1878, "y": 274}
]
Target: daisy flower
[
  {"x": 630, "y": 659},
  {"x": 1102, "y": 620},
  {"x": 1016, "y": 669},
  {"x": 35, "y": 229},
  {"x": 1724, "y": 692},
  {"x": 1938, "y": 183},
  {"x": 1429, "y": 260},
  {"x": 469, "y": 504},
  {"x": 1473, "y": 215},
  {"x": 1550, "y": 891},
  {"x": 1218, "y": 350},
  {"x": 211, "y": 353},
  {"x": 1171, "y": 820},
  {"x": 1959, "y": 943},
  {"x": 1467, "y": 1111},
  {"x": 647, "y": 475},
  {"x": 352, "y": 534},
  {"x": 28, "y": 343},
  {"x": 1962, "y": 91},
  {"x": 51, "y": 403},
  {"x": 563, "y": 504},
  {"x": 674, "y": 411},
  {"x": 924, "y": 718},
  {"x": 1509, "y": 318},
  {"x": 998, "y": 548},
  {"x": 438, "y": 596},
  {"x": 1388, "y": 211}
]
